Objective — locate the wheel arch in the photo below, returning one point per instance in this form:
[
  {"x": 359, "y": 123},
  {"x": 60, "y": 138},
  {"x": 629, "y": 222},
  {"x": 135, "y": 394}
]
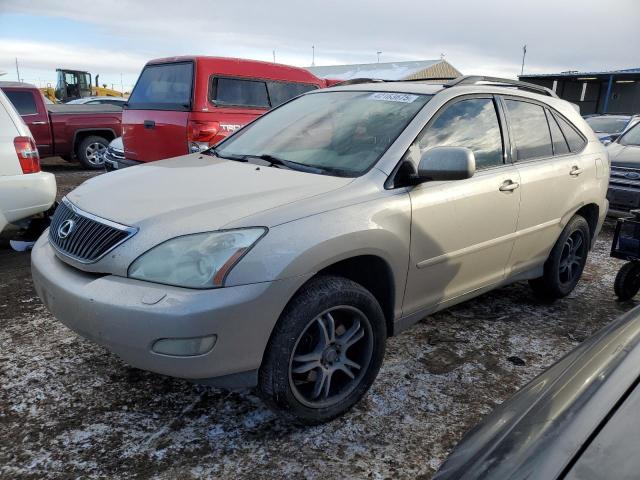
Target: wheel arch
[
  {"x": 591, "y": 213},
  {"x": 80, "y": 134},
  {"x": 374, "y": 274}
]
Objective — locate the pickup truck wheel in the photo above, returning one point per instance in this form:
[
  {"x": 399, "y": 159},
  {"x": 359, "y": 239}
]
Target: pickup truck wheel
[
  {"x": 91, "y": 150},
  {"x": 567, "y": 259},
  {"x": 325, "y": 351}
]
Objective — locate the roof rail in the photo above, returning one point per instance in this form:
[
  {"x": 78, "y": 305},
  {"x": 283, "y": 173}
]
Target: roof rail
[
  {"x": 505, "y": 82},
  {"x": 355, "y": 81}
]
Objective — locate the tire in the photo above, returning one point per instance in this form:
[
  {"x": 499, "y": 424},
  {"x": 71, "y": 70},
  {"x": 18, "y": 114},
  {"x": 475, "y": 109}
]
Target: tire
[
  {"x": 627, "y": 281},
  {"x": 565, "y": 264},
  {"x": 90, "y": 152},
  {"x": 300, "y": 355}
]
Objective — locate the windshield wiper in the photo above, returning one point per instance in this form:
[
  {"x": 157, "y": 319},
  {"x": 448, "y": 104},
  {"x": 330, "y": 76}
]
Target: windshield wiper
[
  {"x": 281, "y": 162},
  {"x": 229, "y": 156}
]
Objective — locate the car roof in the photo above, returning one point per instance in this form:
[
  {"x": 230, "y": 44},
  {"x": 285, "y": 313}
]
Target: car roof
[
  {"x": 428, "y": 87},
  {"x": 16, "y": 84},
  {"x": 419, "y": 88},
  {"x": 243, "y": 66},
  {"x": 611, "y": 115}
]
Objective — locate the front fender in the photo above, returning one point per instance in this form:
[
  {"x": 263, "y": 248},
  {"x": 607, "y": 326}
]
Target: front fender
[{"x": 379, "y": 227}]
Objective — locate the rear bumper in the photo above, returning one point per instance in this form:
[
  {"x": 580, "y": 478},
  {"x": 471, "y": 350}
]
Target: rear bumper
[
  {"x": 22, "y": 196},
  {"x": 128, "y": 316}
]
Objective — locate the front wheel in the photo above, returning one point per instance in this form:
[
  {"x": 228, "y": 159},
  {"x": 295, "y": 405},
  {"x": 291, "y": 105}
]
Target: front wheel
[
  {"x": 91, "y": 150},
  {"x": 325, "y": 351},
  {"x": 565, "y": 264}
]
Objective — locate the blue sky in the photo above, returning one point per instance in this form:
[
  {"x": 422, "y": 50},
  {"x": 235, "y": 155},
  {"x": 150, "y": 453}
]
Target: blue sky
[{"x": 476, "y": 37}]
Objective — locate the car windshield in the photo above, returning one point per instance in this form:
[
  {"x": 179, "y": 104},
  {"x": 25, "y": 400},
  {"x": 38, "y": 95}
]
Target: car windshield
[
  {"x": 607, "y": 125},
  {"x": 632, "y": 137},
  {"x": 335, "y": 133}
]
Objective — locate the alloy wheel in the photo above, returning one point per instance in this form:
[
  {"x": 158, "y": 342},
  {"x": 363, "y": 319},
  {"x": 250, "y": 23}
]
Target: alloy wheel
[
  {"x": 572, "y": 257},
  {"x": 331, "y": 356},
  {"x": 94, "y": 153}
]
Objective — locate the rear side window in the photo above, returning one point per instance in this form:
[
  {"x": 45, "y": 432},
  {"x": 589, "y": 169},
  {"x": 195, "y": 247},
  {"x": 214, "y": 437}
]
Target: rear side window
[
  {"x": 164, "y": 87},
  {"x": 471, "y": 123},
  {"x": 23, "y": 102},
  {"x": 574, "y": 139},
  {"x": 238, "y": 92},
  {"x": 530, "y": 130},
  {"x": 560, "y": 146},
  {"x": 280, "y": 92}
]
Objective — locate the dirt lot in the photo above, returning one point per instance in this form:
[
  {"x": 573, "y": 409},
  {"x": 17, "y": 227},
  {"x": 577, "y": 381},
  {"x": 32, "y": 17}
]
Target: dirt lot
[{"x": 70, "y": 408}]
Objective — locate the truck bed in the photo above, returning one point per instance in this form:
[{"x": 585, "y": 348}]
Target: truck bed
[{"x": 62, "y": 108}]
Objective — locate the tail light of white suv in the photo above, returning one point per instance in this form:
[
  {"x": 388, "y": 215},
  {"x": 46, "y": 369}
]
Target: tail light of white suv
[{"x": 27, "y": 154}]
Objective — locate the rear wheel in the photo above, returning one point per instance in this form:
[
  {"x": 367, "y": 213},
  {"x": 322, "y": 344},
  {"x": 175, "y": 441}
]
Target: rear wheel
[
  {"x": 90, "y": 152},
  {"x": 627, "y": 281},
  {"x": 565, "y": 264},
  {"x": 325, "y": 351}
]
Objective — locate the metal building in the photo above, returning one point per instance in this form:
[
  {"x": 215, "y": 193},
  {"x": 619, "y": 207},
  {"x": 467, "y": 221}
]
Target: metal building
[
  {"x": 616, "y": 91},
  {"x": 418, "y": 70}
]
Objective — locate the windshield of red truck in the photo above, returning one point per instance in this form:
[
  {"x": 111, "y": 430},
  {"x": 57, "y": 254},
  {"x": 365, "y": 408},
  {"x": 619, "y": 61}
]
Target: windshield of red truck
[
  {"x": 163, "y": 87},
  {"x": 329, "y": 131}
]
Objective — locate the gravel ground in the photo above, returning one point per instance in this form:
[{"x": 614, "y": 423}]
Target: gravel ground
[{"x": 69, "y": 408}]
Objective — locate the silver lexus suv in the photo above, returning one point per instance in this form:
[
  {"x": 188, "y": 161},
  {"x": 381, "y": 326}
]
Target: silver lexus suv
[{"x": 284, "y": 257}]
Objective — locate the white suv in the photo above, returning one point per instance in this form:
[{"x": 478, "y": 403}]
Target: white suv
[{"x": 24, "y": 189}]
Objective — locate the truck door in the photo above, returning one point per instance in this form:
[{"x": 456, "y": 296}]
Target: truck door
[{"x": 31, "y": 107}]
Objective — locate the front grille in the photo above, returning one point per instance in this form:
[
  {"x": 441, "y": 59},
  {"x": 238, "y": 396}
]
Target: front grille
[
  {"x": 115, "y": 154},
  {"x": 83, "y": 236},
  {"x": 625, "y": 176}
]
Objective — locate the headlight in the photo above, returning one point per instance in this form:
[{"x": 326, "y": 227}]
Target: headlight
[{"x": 200, "y": 260}]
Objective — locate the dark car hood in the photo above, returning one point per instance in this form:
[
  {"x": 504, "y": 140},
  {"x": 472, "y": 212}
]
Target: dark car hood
[
  {"x": 627, "y": 156},
  {"x": 540, "y": 429}
]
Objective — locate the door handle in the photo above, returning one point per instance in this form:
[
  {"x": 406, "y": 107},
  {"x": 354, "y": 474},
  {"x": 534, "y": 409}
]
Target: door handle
[
  {"x": 575, "y": 171},
  {"x": 149, "y": 124},
  {"x": 509, "y": 186},
  {"x": 38, "y": 123}
]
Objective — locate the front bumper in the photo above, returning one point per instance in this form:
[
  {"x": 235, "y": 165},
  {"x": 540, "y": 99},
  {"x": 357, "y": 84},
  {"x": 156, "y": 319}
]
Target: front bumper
[
  {"x": 623, "y": 198},
  {"x": 115, "y": 163},
  {"x": 127, "y": 316}
]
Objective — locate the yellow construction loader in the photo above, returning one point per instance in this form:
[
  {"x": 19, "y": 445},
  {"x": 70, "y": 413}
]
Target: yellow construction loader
[{"x": 73, "y": 84}]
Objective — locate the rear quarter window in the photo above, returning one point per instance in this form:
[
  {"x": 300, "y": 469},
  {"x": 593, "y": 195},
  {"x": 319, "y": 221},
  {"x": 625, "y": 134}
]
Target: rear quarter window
[
  {"x": 23, "y": 102},
  {"x": 574, "y": 139},
  {"x": 280, "y": 92},
  {"x": 239, "y": 92},
  {"x": 164, "y": 87}
]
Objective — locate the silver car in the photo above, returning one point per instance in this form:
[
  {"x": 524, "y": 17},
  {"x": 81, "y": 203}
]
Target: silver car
[{"x": 284, "y": 257}]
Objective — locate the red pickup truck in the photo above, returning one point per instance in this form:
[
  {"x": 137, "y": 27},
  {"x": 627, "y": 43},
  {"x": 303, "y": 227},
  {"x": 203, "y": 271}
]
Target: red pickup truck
[
  {"x": 181, "y": 105},
  {"x": 80, "y": 132}
]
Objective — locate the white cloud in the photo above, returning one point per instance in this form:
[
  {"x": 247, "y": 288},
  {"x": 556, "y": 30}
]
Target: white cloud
[{"x": 477, "y": 37}]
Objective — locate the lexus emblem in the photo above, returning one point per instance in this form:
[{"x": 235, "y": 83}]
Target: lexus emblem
[{"x": 66, "y": 228}]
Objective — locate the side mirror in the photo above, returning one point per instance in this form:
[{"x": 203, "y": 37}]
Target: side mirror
[{"x": 447, "y": 163}]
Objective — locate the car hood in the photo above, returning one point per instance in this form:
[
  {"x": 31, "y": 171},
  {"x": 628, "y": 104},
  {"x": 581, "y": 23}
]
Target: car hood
[
  {"x": 535, "y": 433},
  {"x": 624, "y": 155},
  {"x": 196, "y": 192}
]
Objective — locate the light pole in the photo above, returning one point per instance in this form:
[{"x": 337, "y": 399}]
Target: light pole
[
  {"x": 313, "y": 55},
  {"x": 524, "y": 54},
  {"x": 378, "y": 53}
]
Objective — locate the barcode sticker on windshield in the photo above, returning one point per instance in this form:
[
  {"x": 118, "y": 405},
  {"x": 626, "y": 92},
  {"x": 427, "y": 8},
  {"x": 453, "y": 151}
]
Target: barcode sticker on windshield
[{"x": 393, "y": 97}]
